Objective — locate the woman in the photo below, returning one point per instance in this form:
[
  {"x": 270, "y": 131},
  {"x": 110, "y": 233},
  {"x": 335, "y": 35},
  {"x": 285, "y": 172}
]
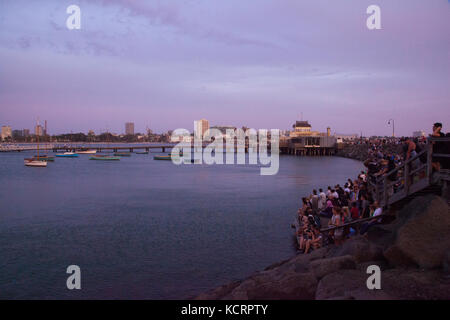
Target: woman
[{"x": 336, "y": 221}]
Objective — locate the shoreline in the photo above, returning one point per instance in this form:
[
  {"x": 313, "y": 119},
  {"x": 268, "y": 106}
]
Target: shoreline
[{"x": 414, "y": 259}]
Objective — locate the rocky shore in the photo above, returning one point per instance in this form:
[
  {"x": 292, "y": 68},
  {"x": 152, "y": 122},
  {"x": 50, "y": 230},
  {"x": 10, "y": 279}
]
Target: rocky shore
[
  {"x": 413, "y": 253},
  {"x": 361, "y": 151}
]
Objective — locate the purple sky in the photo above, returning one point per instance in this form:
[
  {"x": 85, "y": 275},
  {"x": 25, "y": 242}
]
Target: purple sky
[{"x": 255, "y": 63}]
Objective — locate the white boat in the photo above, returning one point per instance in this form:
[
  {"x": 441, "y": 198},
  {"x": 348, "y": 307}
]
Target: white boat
[
  {"x": 87, "y": 152},
  {"x": 35, "y": 163}
]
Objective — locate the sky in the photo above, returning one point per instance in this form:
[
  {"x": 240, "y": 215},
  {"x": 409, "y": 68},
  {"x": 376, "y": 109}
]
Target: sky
[{"x": 256, "y": 63}]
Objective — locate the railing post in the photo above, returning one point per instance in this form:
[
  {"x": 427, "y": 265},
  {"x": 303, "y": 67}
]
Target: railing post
[
  {"x": 385, "y": 191},
  {"x": 406, "y": 178},
  {"x": 429, "y": 161}
]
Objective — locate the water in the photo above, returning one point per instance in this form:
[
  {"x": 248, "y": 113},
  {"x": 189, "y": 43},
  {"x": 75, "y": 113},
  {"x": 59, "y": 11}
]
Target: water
[{"x": 146, "y": 229}]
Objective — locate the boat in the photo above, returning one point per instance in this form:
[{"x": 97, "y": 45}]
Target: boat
[
  {"x": 141, "y": 152},
  {"x": 67, "y": 155},
  {"x": 36, "y": 161},
  {"x": 87, "y": 152},
  {"x": 122, "y": 154},
  {"x": 104, "y": 158},
  {"x": 165, "y": 157},
  {"x": 45, "y": 158}
]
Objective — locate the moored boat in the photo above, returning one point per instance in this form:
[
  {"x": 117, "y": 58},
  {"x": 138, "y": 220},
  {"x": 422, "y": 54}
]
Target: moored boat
[
  {"x": 141, "y": 152},
  {"x": 35, "y": 163},
  {"x": 87, "y": 152},
  {"x": 104, "y": 158},
  {"x": 122, "y": 154},
  {"x": 67, "y": 155},
  {"x": 165, "y": 157},
  {"x": 44, "y": 158}
]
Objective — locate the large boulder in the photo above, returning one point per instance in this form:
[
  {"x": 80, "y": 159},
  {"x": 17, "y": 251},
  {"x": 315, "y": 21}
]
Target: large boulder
[
  {"x": 322, "y": 267},
  {"x": 347, "y": 285},
  {"x": 421, "y": 236},
  {"x": 396, "y": 284},
  {"x": 361, "y": 249}
]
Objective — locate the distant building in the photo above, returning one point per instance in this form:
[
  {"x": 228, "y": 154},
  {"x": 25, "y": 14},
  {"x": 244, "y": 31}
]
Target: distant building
[
  {"x": 129, "y": 128},
  {"x": 26, "y": 132},
  {"x": 200, "y": 127},
  {"x": 91, "y": 133},
  {"x": 38, "y": 130},
  {"x": 45, "y": 127},
  {"x": 6, "y": 132},
  {"x": 223, "y": 129},
  {"x": 418, "y": 134},
  {"x": 17, "y": 134},
  {"x": 302, "y": 128}
]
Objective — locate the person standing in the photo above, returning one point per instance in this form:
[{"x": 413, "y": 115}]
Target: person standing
[{"x": 322, "y": 199}]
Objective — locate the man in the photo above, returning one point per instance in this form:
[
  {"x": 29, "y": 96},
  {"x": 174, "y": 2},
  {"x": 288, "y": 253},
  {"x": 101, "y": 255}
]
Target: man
[
  {"x": 378, "y": 211},
  {"x": 438, "y": 146}
]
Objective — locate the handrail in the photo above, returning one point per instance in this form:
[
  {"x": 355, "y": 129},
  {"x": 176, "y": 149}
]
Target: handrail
[
  {"x": 354, "y": 222},
  {"x": 444, "y": 139}
]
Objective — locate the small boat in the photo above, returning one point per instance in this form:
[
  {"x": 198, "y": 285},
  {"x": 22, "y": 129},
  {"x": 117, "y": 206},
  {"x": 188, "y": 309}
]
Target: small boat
[
  {"x": 44, "y": 158},
  {"x": 35, "y": 163},
  {"x": 67, "y": 155},
  {"x": 122, "y": 154},
  {"x": 87, "y": 152},
  {"x": 168, "y": 157},
  {"x": 104, "y": 158},
  {"x": 141, "y": 152}
]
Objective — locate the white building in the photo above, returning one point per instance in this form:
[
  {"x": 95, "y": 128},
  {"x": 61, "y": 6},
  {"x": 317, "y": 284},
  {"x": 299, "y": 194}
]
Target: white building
[
  {"x": 200, "y": 126},
  {"x": 418, "y": 134},
  {"x": 129, "y": 128},
  {"x": 6, "y": 132}
]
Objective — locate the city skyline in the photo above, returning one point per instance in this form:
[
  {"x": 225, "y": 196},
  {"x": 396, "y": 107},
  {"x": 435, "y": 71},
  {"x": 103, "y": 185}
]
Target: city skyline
[{"x": 166, "y": 64}]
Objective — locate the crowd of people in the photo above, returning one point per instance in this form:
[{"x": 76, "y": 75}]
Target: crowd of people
[{"x": 340, "y": 205}]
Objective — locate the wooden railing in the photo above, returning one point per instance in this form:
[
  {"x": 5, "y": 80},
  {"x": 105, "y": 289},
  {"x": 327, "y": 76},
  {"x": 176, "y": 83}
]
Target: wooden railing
[{"x": 410, "y": 177}]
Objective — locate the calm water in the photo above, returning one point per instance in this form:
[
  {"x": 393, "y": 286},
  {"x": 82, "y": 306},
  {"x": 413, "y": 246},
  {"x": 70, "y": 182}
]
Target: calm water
[{"x": 148, "y": 229}]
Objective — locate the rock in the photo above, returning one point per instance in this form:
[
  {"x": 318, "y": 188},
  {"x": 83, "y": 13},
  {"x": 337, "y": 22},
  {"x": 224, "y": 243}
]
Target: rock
[
  {"x": 422, "y": 236},
  {"x": 322, "y": 267},
  {"x": 290, "y": 286},
  {"x": 380, "y": 263},
  {"x": 218, "y": 292},
  {"x": 361, "y": 249},
  {"x": 347, "y": 284},
  {"x": 291, "y": 279},
  {"x": 446, "y": 263},
  {"x": 396, "y": 284}
]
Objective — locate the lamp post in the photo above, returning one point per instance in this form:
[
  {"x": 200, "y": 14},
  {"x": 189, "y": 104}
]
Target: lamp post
[{"x": 393, "y": 127}]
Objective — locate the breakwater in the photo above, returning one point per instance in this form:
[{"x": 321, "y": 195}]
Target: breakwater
[
  {"x": 361, "y": 151},
  {"x": 413, "y": 253}
]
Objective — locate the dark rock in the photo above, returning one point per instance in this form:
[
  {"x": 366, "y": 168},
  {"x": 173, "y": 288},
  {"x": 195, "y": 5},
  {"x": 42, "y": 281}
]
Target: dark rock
[
  {"x": 380, "y": 263},
  {"x": 421, "y": 235},
  {"x": 322, "y": 267},
  {"x": 347, "y": 284},
  {"x": 361, "y": 249},
  {"x": 396, "y": 284},
  {"x": 446, "y": 263}
]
